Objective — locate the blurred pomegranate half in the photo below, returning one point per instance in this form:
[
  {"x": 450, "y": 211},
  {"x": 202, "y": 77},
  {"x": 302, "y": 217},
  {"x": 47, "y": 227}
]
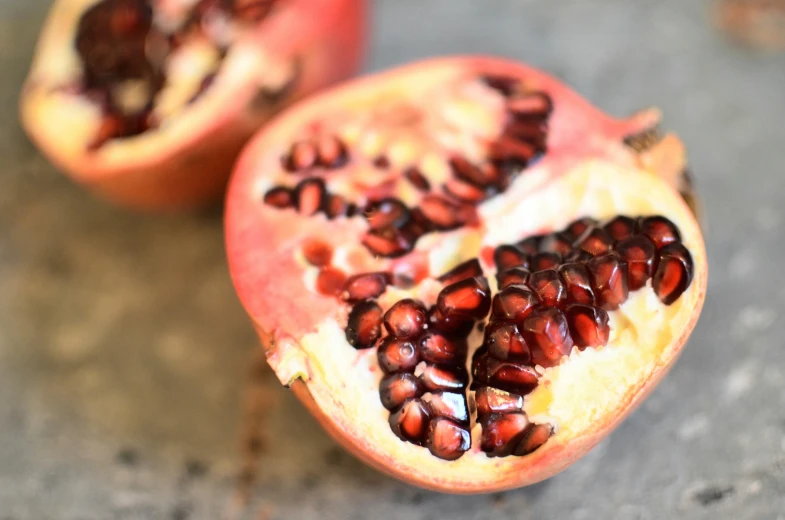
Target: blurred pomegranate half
[
  {"x": 148, "y": 102},
  {"x": 466, "y": 272}
]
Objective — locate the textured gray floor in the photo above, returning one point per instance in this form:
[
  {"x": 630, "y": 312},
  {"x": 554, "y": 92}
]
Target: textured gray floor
[{"x": 123, "y": 349}]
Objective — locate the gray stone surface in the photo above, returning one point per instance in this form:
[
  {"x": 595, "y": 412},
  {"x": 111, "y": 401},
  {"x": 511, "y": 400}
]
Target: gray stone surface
[{"x": 123, "y": 350}]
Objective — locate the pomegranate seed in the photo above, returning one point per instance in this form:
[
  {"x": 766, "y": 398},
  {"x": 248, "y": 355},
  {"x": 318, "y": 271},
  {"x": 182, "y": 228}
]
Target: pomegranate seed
[
  {"x": 509, "y": 148},
  {"x": 549, "y": 286},
  {"x": 578, "y": 227},
  {"x": 456, "y": 326},
  {"x": 542, "y": 261},
  {"x": 674, "y": 272},
  {"x": 588, "y": 325},
  {"x": 474, "y": 175},
  {"x": 464, "y": 191},
  {"x": 468, "y": 269},
  {"x": 578, "y": 256},
  {"x": 417, "y": 179},
  {"x": 640, "y": 254},
  {"x": 595, "y": 241},
  {"x": 310, "y": 196},
  {"x": 364, "y": 327},
  {"x": 301, "y": 157},
  {"x": 480, "y": 367},
  {"x": 330, "y": 281},
  {"x": 447, "y": 440},
  {"x": 470, "y": 298},
  {"x": 514, "y": 303},
  {"x": 447, "y": 404},
  {"x": 557, "y": 243},
  {"x": 279, "y": 197},
  {"x": 536, "y": 435},
  {"x": 410, "y": 421},
  {"x": 548, "y": 336},
  {"x": 535, "y": 105},
  {"x": 443, "y": 214},
  {"x": 336, "y": 207},
  {"x": 365, "y": 286},
  {"x": 512, "y": 377},
  {"x": 504, "y": 342},
  {"x": 332, "y": 152},
  {"x": 577, "y": 282},
  {"x": 621, "y": 228},
  {"x": 505, "y": 85},
  {"x": 492, "y": 400},
  {"x": 397, "y": 355},
  {"x": 508, "y": 256},
  {"x": 434, "y": 377},
  {"x": 660, "y": 230},
  {"x": 513, "y": 276},
  {"x": 388, "y": 242},
  {"x": 382, "y": 162},
  {"x": 317, "y": 252},
  {"x": 531, "y": 245},
  {"x": 394, "y": 389},
  {"x": 387, "y": 213},
  {"x": 532, "y": 131},
  {"x": 439, "y": 349},
  {"x": 609, "y": 280},
  {"x": 502, "y": 433},
  {"x": 406, "y": 319}
]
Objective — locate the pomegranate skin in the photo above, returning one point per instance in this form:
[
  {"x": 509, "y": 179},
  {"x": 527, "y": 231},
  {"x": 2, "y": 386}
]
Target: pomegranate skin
[
  {"x": 187, "y": 164},
  {"x": 283, "y": 319}
]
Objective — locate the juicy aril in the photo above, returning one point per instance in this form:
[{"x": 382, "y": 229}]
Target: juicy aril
[
  {"x": 466, "y": 272},
  {"x": 148, "y": 102}
]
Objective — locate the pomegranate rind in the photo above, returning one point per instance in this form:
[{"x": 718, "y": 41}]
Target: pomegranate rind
[
  {"x": 302, "y": 333},
  {"x": 185, "y": 163}
]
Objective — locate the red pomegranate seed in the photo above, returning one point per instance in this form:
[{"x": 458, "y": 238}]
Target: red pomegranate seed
[
  {"x": 365, "y": 286},
  {"x": 578, "y": 227},
  {"x": 512, "y": 276},
  {"x": 505, "y": 85},
  {"x": 533, "y": 131},
  {"x": 456, "y": 326},
  {"x": 382, "y": 162},
  {"x": 394, "y": 389},
  {"x": 640, "y": 254},
  {"x": 621, "y": 228},
  {"x": 595, "y": 241},
  {"x": 406, "y": 319},
  {"x": 336, "y": 207},
  {"x": 609, "y": 280},
  {"x": 512, "y": 377},
  {"x": 279, "y": 197},
  {"x": 660, "y": 230},
  {"x": 364, "y": 327},
  {"x": 397, "y": 355},
  {"x": 434, "y": 377},
  {"x": 508, "y": 256},
  {"x": 330, "y": 281},
  {"x": 514, "y": 303},
  {"x": 332, "y": 152},
  {"x": 536, "y": 435},
  {"x": 417, "y": 179},
  {"x": 447, "y": 440},
  {"x": 447, "y": 404},
  {"x": 502, "y": 433},
  {"x": 541, "y": 261},
  {"x": 388, "y": 242},
  {"x": 588, "y": 325},
  {"x": 534, "y": 105},
  {"x": 464, "y": 191},
  {"x": 557, "y": 243},
  {"x": 470, "y": 298},
  {"x": 387, "y": 213},
  {"x": 301, "y": 156},
  {"x": 480, "y": 367},
  {"x": 443, "y": 214},
  {"x": 492, "y": 400},
  {"x": 504, "y": 341},
  {"x": 310, "y": 196},
  {"x": 509, "y": 148},
  {"x": 468, "y": 269},
  {"x": 531, "y": 245},
  {"x": 474, "y": 175},
  {"x": 674, "y": 272},
  {"x": 577, "y": 282},
  {"x": 410, "y": 421},
  {"x": 548, "y": 336},
  {"x": 438, "y": 348},
  {"x": 317, "y": 252},
  {"x": 549, "y": 286},
  {"x": 578, "y": 256}
]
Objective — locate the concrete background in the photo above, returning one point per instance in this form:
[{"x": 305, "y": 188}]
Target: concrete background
[{"x": 124, "y": 353}]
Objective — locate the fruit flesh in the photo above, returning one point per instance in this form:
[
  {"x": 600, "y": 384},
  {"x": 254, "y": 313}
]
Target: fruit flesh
[
  {"x": 304, "y": 346},
  {"x": 186, "y": 162}
]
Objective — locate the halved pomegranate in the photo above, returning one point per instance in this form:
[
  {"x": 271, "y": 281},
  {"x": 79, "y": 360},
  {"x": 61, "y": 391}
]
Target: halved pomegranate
[
  {"x": 518, "y": 277},
  {"x": 148, "y": 102}
]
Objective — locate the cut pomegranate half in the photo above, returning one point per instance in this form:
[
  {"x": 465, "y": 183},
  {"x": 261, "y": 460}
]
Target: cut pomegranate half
[
  {"x": 148, "y": 102},
  {"x": 486, "y": 337}
]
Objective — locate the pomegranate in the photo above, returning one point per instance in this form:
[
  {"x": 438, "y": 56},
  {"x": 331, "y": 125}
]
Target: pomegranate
[
  {"x": 519, "y": 276},
  {"x": 148, "y": 102}
]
